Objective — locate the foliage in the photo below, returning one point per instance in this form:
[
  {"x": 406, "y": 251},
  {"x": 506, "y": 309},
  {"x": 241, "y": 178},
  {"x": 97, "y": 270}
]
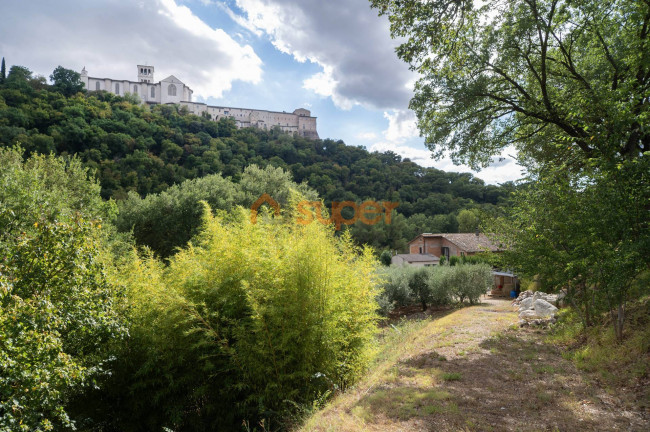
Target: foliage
[
  {"x": 66, "y": 81},
  {"x": 566, "y": 84},
  {"x": 591, "y": 349},
  {"x": 395, "y": 288},
  {"x": 385, "y": 257},
  {"x": 438, "y": 286},
  {"x": 168, "y": 220},
  {"x": 57, "y": 310},
  {"x": 561, "y": 81},
  {"x": 134, "y": 148},
  {"x": 469, "y": 281},
  {"x": 248, "y": 319},
  {"x": 419, "y": 286},
  {"x": 598, "y": 251}
]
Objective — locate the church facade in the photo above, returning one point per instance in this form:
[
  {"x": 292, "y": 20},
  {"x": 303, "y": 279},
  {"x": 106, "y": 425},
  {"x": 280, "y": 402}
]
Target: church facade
[{"x": 171, "y": 90}]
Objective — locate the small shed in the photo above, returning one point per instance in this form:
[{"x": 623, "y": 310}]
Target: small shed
[{"x": 504, "y": 282}]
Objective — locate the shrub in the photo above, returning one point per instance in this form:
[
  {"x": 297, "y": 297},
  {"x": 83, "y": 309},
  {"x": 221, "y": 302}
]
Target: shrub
[
  {"x": 57, "y": 310},
  {"x": 419, "y": 286},
  {"x": 440, "y": 289},
  {"x": 470, "y": 281},
  {"x": 386, "y": 257},
  {"x": 395, "y": 289},
  {"x": 439, "y": 286},
  {"x": 245, "y": 323}
]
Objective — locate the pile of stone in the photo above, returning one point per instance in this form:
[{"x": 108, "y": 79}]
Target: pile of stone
[{"x": 536, "y": 308}]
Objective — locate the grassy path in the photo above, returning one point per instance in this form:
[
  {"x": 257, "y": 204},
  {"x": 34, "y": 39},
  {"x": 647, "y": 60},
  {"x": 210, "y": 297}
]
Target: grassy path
[{"x": 473, "y": 370}]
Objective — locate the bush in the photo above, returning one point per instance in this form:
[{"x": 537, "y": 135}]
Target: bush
[
  {"x": 470, "y": 281},
  {"x": 166, "y": 221},
  {"x": 440, "y": 289},
  {"x": 244, "y": 324},
  {"x": 386, "y": 257},
  {"x": 57, "y": 309},
  {"x": 419, "y": 286},
  {"x": 439, "y": 286},
  {"x": 395, "y": 288}
]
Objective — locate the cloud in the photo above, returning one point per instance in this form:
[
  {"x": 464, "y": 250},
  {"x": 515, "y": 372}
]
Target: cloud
[
  {"x": 110, "y": 37},
  {"x": 366, "y": 135},
  {"x": 346, "y": 38},
  {"x": 402, "y": 125}
]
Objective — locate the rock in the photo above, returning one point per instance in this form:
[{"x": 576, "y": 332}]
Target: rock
[
  {"x": 528, "y": 314},
  {"x": 523, "y": 323},
  {"x": 552, "y": 299},
  {"x": 544, "y": 308},
  {"x": 526, "y": 304}
]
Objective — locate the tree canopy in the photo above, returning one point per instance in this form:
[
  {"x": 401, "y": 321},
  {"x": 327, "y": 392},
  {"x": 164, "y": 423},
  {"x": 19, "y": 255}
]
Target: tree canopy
[
  {"x": 66, "y": 81},
  {"x": 560, "y": 80}
]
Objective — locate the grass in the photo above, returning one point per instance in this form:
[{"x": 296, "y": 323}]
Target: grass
[
  {"x": 452, "y": 376},
  {"x": 462, "y": 371},
  {"x": 404, "y": 403},
  {"x": 407, "y": 379},
  {"x": 596, "y": 350}
]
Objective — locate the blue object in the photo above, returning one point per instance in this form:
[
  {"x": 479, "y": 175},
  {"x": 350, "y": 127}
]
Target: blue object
[{"x": 513, "y": 294}]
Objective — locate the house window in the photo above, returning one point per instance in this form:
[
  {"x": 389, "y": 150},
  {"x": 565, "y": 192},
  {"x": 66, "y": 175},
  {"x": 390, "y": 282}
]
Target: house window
[
  {"x": 153, "y": 92},
  {"x": 117, "y": 88},
  {"x": 420, "y": 249},
  {"x": 135, "y": 89},
  {"x": 171, "y": 90},
  {"x": 97, "y": 87},
  {"x": 225, "y": 112},
  {"x": 444, "y": 251}
]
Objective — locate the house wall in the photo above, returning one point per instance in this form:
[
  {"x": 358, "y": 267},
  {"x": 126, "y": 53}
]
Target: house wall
[
  {"x": 433, "y": 246},
  {"x": 299, "y": 124}
]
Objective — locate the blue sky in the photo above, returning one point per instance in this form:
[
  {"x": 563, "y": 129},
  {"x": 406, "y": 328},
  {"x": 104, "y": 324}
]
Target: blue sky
[{"x": 333, "y": 57}]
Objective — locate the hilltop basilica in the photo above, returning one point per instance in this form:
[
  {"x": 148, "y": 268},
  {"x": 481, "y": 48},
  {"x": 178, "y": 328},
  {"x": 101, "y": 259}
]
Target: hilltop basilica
[{"x": 171, "y": 90}]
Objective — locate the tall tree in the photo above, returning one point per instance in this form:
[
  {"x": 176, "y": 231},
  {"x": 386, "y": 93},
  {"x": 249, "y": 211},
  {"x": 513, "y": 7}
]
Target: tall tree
[
  {"x": 66, "y": 81},
  {"x": 566, "y": 83},
  {"x": 560, "y": 80},
  {"x": 3, "y": 72}
]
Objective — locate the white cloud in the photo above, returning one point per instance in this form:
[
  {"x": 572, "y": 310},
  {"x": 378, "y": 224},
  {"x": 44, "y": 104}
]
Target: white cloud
[
  {"x": 110, "y": 37},
  {"x": 366, "y": 136},
  {"x": 402, "y": 125},
  {"x": 346, "y": 38}
]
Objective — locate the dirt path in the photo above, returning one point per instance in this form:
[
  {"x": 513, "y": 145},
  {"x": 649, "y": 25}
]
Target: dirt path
[{"x": 473, "y": 370}]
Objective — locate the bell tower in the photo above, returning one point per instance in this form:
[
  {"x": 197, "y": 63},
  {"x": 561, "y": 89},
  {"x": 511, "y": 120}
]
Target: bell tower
[{"x": 145, "y": 73}]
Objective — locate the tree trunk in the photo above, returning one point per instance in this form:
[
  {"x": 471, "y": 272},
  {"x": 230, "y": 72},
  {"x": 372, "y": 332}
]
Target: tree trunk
[{"x": 620, "y": 319}]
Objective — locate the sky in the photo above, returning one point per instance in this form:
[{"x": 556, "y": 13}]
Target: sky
[{"x": 333, "y": 57}]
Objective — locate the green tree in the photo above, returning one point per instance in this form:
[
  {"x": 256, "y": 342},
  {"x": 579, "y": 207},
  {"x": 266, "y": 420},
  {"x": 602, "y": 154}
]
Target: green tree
[
  {"x": 66, "y": 81},
  {"x": 468, "y": 220},
  {"x": 3, "y": 72},
  {"x": 590, "y": 238},
  {"x": 385, "y": 257},
  {"x": 565, "y": 83},
  {"x": 58, "y": 312},
  {"x": 559, "y": 80}
]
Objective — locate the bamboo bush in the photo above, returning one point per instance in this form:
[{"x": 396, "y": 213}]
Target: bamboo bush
[{"x": 246, "y": 323}]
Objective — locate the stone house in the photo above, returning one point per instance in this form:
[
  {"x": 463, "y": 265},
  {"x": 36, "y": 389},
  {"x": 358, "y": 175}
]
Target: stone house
[{"x": 453, "y": 244}]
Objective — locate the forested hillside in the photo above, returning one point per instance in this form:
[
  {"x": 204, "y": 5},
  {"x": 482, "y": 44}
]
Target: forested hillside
[{"x": 135, "y": 148}]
